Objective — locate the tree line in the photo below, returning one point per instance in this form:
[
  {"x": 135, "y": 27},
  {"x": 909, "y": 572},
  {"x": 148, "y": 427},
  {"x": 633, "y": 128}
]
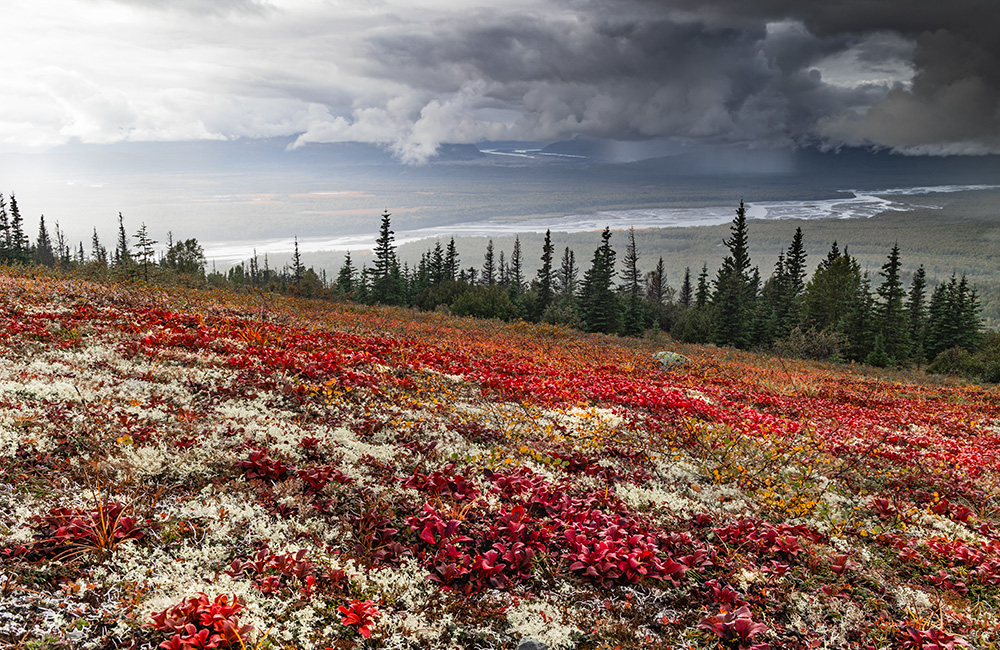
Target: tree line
[{"x": 841, "y": 312}]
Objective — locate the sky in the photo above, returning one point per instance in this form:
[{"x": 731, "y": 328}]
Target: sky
[{"x": 919, "y": 77}]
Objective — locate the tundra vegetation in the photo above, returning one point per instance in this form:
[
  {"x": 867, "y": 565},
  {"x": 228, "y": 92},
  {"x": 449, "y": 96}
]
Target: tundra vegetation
[{"x": 209, "y": 468}]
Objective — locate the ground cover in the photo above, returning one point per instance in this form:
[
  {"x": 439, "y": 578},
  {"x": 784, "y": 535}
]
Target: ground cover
[{"x": 194, "y": 470}]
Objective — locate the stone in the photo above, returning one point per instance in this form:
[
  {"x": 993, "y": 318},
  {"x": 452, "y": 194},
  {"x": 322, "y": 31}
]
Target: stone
[
  {"x": 670, "y": 360},
  {"x": 528, "y": 644}
]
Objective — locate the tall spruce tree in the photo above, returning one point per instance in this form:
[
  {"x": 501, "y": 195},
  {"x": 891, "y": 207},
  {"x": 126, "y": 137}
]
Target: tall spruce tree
[
  {"x": 735, "y": 289},
  {"x": 916, "y": 312},
  {"x": 386, "y": 282},
  {"x": 347, "y": 276},
  {"x": 686, "y": 296},
  {"x": 788, "y": 305},
  {"x": 891, "y": 320},
  {"x": 657, "y": 289},
  {"x": 633, "y": 324},
  {"x": 832, "y": 301},
  {"x": 4, "y": 231},
  {"x": 703, "y": 292},
  {"x": 297, "y": 268},
  {"x": 599, "y": 309},
  {"x": 17, "y": 244},
  {"x": 44, "y": 254},
  {"x": 123, "y": 256},
  {"x": 451, "y": 261},
  {"x": 489, "y": 275},
  {"x": 515, "y": 275},
  {"x": 144, "y": 250},
  {"x": 545, "y": 279},
  {"x": 566, "y": 277}
]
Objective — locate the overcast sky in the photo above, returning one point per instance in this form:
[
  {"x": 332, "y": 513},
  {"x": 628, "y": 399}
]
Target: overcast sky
[{"x": 922, "y": 76}]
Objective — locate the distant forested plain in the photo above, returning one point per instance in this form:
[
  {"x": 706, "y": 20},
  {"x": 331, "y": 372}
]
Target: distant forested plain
[{"x": 959, "y": 234}]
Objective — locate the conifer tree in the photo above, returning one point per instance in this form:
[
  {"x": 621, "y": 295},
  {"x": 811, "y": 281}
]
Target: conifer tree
[
  {"x": 123, "y": 257},
  {"x": 599, "y": 309},
  {"x": 633, "y": 317},
  {"x": 566, "y": 277},
  {"x": 786, "y": 296},
  {"x": 347, "y": 276},
  {"x": 297, "y": 268},
  {"x": 43, "y": 245},
  {"x": 735, "y": 289},
  {"x": 502, "y": 275},
  {"x": 916, "y": 312},
  {"x": 144, "y": 250},
  {"x": 860, "y": 326},
  {"x": 98, "y": 252},
  {"x": 61, "y": 248},
  {"x": 795, "y": 265},
  {"x": 830, "y": 292},
  {"x": 17, "y": 244},
  {"x": 702, "y": 294},
  {"x": 891, "y": 320},
  {"x": 515, "y": 274},
  {"x": 436, "y": 264},
  {"x": 489, "y": 276},
  {"x": 545, "y": 276},
  {"x": 451, "y": 261},
  {"x": 686, "y": 295},
  {"x": 4, "y": 231},
  {"x": 386, "y": 282},
  {"x": 657, "y": 289}
]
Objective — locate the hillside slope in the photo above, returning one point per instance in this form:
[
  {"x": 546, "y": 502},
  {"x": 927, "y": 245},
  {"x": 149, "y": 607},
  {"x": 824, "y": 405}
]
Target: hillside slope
[{"x": 201, "y": 470}]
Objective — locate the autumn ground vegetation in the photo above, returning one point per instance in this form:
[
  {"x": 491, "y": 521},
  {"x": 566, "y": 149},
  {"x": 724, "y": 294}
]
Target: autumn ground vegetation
[{"x": 185, "y": 469}]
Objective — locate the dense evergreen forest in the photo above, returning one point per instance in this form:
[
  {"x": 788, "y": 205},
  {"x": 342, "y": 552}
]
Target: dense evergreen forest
[{"x": 841, "y": 313}]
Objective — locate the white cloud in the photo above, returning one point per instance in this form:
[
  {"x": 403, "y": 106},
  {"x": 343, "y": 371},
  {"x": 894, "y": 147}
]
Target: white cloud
[{"x": 413, "y": 74}]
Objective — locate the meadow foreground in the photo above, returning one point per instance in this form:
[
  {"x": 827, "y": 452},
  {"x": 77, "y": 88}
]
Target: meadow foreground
[{"x": 194, "y": 470}]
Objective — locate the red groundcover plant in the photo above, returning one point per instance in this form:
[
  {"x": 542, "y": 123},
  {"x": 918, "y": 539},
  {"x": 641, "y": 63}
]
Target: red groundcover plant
[
  {"x": 735, "y": 629},
  {"x": 202, "y": 623},
  {"x": 360, "y": 614}
]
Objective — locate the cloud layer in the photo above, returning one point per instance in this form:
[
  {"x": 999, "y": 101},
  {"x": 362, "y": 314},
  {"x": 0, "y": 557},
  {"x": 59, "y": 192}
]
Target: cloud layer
[{"x": 923, "y": 77}]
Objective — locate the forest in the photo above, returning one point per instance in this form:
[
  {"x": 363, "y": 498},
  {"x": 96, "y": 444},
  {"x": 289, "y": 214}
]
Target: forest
[{"x": 841, "y": 313}]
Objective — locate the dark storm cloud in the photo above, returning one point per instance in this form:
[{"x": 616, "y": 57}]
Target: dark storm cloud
[
  {"x": 723, "y": 70},
  {"x": 953, "y": 103}
]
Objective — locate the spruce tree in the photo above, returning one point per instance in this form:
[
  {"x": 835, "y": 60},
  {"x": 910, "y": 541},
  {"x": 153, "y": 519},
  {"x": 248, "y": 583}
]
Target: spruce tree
[
  {"x": 144, "y": 250},
  {"x": 436, "y": 264},
  {"x": 347, "y": 276},
  {"x": 5, "y": 253},
  {"x": 489, "y": 277},
  {"x": 98, "y": 253},
  {"x": 686, "y": 295},
  {"x": 599, "y": 308},
  {"x": 18, "y": 243},
  {"x": 515, "y": 275},
  {"x": 44, "y": 254},
  {"x": 657, "y": 289},
  {"x": 545, "y": 276},
  {"x": 633, "y": 324},
  {"x": 916, "y": 312},
  {"x": 795, "y": 265},
  {"x": 297, "y": 268},
  {"x": 502, "y": 277},
  {"x": 735, "y": 290},
  {"x": 890, "y": 315},
  {"x": 123, "y": 257},
  {"x": 451, "y": 261},
  {"x": 830, "y": 292},
  {"x": 386, "y": 282},
  {"x": 702, "y": 294},
  {"x": 567, "y": 275},
  {"x": 788, "y": 301}
]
